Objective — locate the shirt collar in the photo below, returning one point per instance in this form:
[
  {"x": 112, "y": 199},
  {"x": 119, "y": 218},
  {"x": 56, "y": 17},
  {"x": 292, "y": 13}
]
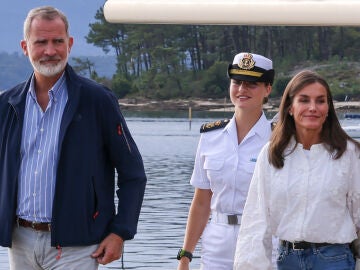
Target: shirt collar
[
  {"x": 314, "y": 148},
  {"x": 54, "y": 92},
  {"x": 261, "y": 128}
]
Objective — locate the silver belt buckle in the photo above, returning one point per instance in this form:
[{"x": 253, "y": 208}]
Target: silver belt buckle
[
  {"x": 233, "y": 220},
  {"x": 293, "y": 246}
]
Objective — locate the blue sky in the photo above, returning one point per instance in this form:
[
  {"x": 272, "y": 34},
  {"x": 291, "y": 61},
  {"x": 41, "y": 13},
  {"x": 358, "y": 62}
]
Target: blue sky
[{"x": 79, "y": 12}]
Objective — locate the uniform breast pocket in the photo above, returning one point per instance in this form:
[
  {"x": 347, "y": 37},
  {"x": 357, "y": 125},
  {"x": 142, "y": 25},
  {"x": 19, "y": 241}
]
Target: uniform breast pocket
[
  {"x": 214, "y": 170},
  {"x": 244, "y": 174},
  {"x": 248, "y": 167}
]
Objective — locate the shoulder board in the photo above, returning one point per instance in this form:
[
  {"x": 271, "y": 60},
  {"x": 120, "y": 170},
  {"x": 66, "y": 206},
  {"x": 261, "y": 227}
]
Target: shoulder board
[
  {"x": 274, "y": 121},
  {"x": 214, "y": 125},
  {"x": 272, "y": 124}
]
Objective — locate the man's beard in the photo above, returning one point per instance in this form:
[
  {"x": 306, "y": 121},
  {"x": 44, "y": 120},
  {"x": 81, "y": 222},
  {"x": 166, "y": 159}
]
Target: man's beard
[{"x": 50, "y": 69}]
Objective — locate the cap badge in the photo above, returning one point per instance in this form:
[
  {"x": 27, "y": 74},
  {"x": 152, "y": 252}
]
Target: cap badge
[{"x": 246, "y": 62}]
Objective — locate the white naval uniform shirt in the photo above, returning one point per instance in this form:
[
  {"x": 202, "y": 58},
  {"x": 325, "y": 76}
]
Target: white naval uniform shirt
[
  {"x": 226, "y": 167},
  {"x": 313, "y": 198}
]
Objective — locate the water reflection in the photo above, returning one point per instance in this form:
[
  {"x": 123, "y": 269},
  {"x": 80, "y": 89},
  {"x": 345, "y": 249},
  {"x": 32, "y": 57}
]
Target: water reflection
[
  {"x": 163, "y": 217},
  {"x": 168, "y": 148}
]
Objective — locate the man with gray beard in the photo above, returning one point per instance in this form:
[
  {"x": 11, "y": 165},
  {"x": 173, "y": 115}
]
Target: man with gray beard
[{"x": 62, "y": 137}]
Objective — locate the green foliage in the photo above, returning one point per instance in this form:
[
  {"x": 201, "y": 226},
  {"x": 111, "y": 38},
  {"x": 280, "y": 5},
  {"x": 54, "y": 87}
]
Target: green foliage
[
  {"x": 83, "y": 66},
  {"x": 171, "y": 61},
  {"x": 279, "y": 86},
  {"x": 215, "y": 81},
  {"x": 121, "y": 86}
]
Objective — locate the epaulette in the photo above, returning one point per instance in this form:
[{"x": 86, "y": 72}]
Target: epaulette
[
  {"x": 274, "y": 120},
  {"x": 214, "y": 125},
  {"x": 272, "y": 124}
]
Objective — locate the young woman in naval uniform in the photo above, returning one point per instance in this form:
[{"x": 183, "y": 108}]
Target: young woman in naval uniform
[{"x": 224, "y": 164}]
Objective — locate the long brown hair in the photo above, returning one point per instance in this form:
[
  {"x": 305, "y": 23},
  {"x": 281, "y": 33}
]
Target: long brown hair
[{"x": 332, "y": 135}]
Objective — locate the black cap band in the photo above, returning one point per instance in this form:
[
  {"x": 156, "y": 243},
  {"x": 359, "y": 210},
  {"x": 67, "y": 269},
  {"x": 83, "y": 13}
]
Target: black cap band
[{"x": 256, "y": 74}]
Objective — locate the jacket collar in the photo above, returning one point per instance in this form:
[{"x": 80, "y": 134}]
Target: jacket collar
[
  {"x": 20, "y": 90},
  {"x": 73, "y": 87},
  {"x": 18, "y": 99}
]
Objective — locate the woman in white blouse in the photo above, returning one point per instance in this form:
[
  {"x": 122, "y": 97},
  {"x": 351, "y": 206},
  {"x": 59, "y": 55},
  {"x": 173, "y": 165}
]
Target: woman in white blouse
[{"x": 305, "y": 189}]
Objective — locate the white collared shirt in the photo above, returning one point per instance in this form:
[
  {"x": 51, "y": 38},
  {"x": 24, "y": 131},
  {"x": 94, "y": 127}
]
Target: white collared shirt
[
  {"x": 39, "y": 153},
  {"x": 313, "y": 198},
  {"x": 226, "y": 167}
]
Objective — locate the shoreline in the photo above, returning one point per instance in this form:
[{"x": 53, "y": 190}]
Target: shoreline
[{"x": 141, "y": 104}]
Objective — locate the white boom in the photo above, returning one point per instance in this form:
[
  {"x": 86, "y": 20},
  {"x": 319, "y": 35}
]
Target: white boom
[{"x": 235, "y": 12}]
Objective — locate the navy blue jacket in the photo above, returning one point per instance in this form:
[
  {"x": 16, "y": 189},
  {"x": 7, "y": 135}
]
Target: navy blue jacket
[{"x": 94, "y": 142}]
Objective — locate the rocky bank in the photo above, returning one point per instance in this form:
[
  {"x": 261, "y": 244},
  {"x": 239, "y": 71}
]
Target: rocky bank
[{"x": 141, "y": 104}]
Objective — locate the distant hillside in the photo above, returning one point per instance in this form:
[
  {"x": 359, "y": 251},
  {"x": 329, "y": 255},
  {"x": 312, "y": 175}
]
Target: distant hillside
[
  {"x": 105, "y": 66},
  {"x": 15, "y": 68}
]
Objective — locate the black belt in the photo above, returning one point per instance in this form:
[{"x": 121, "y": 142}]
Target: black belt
[
  {"x": 37, "y": 226},
  {"x": 302, "y": 245}
]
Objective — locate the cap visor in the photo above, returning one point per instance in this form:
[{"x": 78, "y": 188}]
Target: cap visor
[{"x": 245, "y": 78}]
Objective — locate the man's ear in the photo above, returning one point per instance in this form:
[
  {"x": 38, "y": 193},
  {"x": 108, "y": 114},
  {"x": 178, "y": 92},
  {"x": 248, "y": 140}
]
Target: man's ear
[
  {"x": 71, "y": 42},
  {"x": 24, "y": 47}
]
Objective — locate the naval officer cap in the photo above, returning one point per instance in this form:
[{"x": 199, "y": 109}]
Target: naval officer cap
[{"x": 252, "y": 68}]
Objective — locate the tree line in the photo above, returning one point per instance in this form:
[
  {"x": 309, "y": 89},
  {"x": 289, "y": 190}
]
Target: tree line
[{"x": 181, "y": 61}]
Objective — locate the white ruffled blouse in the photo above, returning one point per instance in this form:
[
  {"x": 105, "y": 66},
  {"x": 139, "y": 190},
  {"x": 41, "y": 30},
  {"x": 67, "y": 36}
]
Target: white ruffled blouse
[{"x": 312, "y": 198}]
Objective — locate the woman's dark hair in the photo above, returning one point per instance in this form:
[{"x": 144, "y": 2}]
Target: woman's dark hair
[{"x": 332, "y": 135}]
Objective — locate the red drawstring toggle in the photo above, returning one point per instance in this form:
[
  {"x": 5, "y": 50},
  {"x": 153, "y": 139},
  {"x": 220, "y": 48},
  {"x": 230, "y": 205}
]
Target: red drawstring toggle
[
  {"x": 119, "y": 130},
  {"x": 59, "y": 252},
  {"x": 95, "y": 214}
]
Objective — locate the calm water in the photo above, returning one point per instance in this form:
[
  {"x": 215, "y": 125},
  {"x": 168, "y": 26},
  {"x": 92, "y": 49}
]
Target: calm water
[{"x": 168, "y": 148}]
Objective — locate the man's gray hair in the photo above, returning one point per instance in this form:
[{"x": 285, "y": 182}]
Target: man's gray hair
[{"x": 46, "y": 13}]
